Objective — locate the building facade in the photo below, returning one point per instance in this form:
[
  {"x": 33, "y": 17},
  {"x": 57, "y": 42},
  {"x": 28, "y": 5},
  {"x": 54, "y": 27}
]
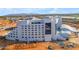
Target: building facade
[{"x": 33, "y": 29}]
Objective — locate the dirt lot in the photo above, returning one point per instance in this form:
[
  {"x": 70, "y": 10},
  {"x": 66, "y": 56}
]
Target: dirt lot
[
  {"x": 5, "y": 23},
  {"x": 12, "y": 45}
]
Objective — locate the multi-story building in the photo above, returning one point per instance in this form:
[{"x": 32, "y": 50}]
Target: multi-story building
[{"x": 33, "y": 29}]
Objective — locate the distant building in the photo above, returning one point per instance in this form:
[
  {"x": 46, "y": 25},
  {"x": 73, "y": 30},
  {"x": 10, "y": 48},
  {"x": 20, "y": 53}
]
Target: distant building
[
  {"x": 34, "y": 29},
  {"x": 15, "y": 18}
]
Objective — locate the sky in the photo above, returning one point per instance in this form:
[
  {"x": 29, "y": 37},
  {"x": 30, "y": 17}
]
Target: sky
[{"x": 5, "y": 11}]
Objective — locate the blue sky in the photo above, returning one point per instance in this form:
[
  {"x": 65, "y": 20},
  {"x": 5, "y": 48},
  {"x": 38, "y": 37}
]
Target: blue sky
[{"x": 5, "y": 11}]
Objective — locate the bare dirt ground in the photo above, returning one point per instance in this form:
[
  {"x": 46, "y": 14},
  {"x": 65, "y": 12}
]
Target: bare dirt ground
[
  {"x": 5, "y": 23},
  {"x": 11, "y": 45}
]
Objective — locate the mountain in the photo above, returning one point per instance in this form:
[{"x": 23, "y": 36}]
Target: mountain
[
  {"x": 20, "y": 14},
  {"x": 31, "y": 14}
]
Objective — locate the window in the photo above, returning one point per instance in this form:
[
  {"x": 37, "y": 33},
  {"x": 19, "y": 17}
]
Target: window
[
  {"x": 32, "y": 25},
  {"x": 28, "y": 27},
  {"x": 16, "y": 32},
  {"x": 38, "y": 25},
  {"x": 39, "y": 32},
  {"x": 28, "y": 37},
  {"x": 42, "y": 31},
  {"x": 35, "y": 25},
  {"x": 25, "y": 34},
  {"x": 25, "y": 28},
  {"x": 42, "y": 25},
  {"x": 16, "y": 36},
  {"x": 28, "y": 34},
  {"x": 10, "y": 33},
  {"x": 35, "y": 29},
  {"x": 22, "y": 34},
  {"x": 36, "y": 22},
  {"x": 28, "y": 30},
  {"x": 25, "y": 25},
  {"x": 35, "y": 37},
  {"x": 22, "y": 28},
  {"x": 25, "y": 37},
  {"x": 32, "y": 34},
  {"x": 35, "y": 34},
  {"x": 32, "y": 37},
  {"x": 22, "y": 37},
  {"x": 47, "y": 28},
  {"x": 42, "y": 36},
  {"x": 32, "y": 22},
  {"x": 32, "y": 28}
]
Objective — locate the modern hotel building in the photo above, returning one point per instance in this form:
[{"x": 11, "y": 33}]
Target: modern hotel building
[{"x": 34, "y": 29}]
